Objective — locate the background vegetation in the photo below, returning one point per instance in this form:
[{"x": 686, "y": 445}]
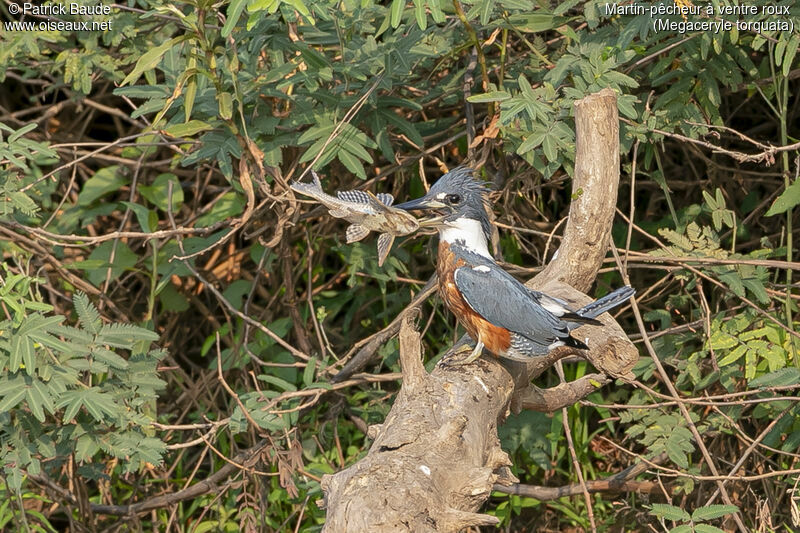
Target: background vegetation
[{"x": 170, "y": 314}]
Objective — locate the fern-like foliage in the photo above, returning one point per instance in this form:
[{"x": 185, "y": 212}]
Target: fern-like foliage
[
  {"x": 85, "y": 392},
  {"x": 19, "y": 154},
  {"x": 704, "y": 242}
]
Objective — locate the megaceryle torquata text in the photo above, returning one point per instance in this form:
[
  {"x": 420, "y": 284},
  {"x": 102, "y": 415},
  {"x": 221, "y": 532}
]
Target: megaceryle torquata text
[{"x": 499, "y": 313}]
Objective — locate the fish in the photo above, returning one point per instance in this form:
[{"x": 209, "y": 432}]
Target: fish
[{"x": 365, "y": 211}]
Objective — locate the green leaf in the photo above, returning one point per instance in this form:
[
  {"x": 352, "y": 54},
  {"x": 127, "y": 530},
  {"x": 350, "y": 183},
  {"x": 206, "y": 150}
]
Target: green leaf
[
  {"x": 787, "y": 200},
  {"x": 352, "y": 163},
  {"x": 778, "y": 378},
  {"x": 189, "y": 128},
  {"x": 492, "y": 96},
  {"x": 72, "y": 401},
  {"x": 28, "y": 354},
  {"x": 225, "y": 105},
  {"x": 110, "y": 358},
  {"x": 710, "y": 512},
  {"x": 43, "y": 393},
  {"x": 151, "y": 58},
  {"x": 549, "y": 147},
  {"x": 707, "y": 528},
  {"x": 757, "y": 333},
  {"x": 143, "y": 215},
  {"x": 533, "y": 22},
  {"x": 35, "y": 404},
  {"x": 397, "y": 12},
  {"x": 722, "y": 341},
  {"x": 791, "y": 51},
  {"x": 299, "y": 6},
  {"x": 11, "y": 384},
  {"x": 712, "y": 203},
  {"x": 14, "y": 137},
  {"x": 670, "y": 512},
  {"x": 23, "y": 203},
  {"x": 675, "y": 451},
  {"x": 308, "y": 372},
  {"x": 530, "y": 143},
  {"x": 315, "y": 132},
  {"x": 353, "y": 144},
  {"x": 21, "y": 350},
  {"x": 420, "y": 15},
  {"x": 278, "y": 382},
  {"x": 733, "y": 356},
  {"x": 230, "y": 204},
  {"x": 189, "y": 95},
  {"x": 11, "y": 400},
  {"x": 87, "y": 313},
  {"x": 486, "y": 11},
  {"x": 716, "y": 218},
  {"x": 620, "y": 79},
  {"x": 626, "y": 107},
  {"x": 85, "y": 448},
  {"x": 104, "y": 181},
  {"x": 750, "y": 364},
  {"x": 234, "y": 11},
  {"x": 436, "y": 11},
  {"x": 158, "y": 193},
  {"x": 123, "y": 335},
  {"x": 99, "y": 404},
  {"x": 123, "y": 259}
]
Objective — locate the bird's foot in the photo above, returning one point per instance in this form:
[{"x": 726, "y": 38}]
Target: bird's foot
[{"x": 456, "y": 358}]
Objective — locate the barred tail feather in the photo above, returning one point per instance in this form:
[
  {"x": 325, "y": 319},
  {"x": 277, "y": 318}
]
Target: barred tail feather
[
  {"x": 607, "y": 302},
  {"x": 578, "y": 318}
]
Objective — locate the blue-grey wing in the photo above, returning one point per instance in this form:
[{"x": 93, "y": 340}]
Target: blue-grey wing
[
  {"x": 556, "y": 306},
  {"x": 502, "y": 300}
]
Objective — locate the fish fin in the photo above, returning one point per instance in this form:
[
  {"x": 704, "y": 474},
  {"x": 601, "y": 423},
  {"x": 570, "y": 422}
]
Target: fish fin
[
  {"x": 385, "y": 198},
  {"x": 339, "y": 213},
  {"x": 384, "y": 246},
  {"x": 355, "y": 232},
  {"x": 375, "y": 203},
  {"x": 364, "y": 197},
  {"x": 358, "y": 197}
]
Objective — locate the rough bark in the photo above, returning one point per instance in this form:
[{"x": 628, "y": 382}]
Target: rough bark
[
  {"x": 434, "y": 459},
  {"x": 594, "y": 193},
  {"x": 437, "y": 456}
]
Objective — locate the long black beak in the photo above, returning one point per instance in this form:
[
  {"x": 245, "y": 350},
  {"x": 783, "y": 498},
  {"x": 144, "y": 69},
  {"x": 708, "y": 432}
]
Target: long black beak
[{"x": 421, "y": 204}]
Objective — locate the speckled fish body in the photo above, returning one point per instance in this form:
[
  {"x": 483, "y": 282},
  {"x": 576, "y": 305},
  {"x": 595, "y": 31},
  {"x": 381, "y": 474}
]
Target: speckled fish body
[{"x": 366, "y": 211}]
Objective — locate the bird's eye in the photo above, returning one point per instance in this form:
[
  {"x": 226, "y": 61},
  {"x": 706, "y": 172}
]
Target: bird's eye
[{"x": 453, "y": 199}]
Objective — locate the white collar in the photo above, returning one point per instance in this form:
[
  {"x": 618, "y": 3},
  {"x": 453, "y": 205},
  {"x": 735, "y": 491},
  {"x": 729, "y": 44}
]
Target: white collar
[{"x": 466, "y": 232}]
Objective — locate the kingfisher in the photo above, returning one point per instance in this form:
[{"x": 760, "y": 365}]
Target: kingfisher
[{"x": 499, "y": 313}]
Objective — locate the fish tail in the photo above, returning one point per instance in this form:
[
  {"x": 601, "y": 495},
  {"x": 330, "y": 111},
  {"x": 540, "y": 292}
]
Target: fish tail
[
  {"x": 313, "y": 189},
  {"x": 316, "y": 179}
]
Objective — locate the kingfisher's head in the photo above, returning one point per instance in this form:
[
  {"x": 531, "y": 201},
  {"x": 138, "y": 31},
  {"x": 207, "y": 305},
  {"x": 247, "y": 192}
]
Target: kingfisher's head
[{"x": 458, "y": 203}]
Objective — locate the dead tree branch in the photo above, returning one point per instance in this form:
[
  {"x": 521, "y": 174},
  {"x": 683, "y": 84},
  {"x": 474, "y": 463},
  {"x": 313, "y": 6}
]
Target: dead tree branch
[{"x": 620, "y": 482}]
